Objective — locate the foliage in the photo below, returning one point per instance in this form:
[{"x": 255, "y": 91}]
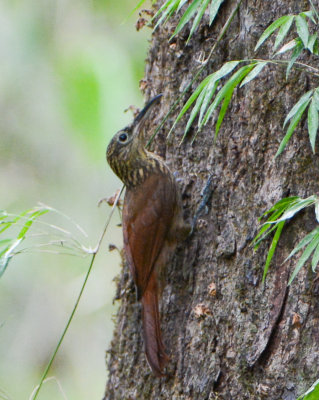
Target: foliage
[
  {"x": 205, "y": 91},
  {"x": 312, "y": 393},
  {"x": 282, "y": 211},
  {"x": 196, "y": 6},
  {"x": 20, "y": 225}
]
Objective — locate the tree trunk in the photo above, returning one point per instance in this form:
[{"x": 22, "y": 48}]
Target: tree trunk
[{"x": 229, "y": 335}]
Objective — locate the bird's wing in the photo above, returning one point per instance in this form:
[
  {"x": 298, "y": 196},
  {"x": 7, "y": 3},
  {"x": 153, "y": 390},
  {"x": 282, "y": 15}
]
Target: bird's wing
[{"x": 147, "y": 215}]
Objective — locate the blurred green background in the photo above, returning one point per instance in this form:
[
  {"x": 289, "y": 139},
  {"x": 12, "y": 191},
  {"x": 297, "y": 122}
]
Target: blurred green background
[{"x": 69, "y": 69}]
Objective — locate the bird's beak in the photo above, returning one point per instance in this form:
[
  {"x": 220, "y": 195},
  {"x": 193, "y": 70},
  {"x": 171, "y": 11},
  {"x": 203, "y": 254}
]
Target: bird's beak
[{"x": 141, "y": 117}]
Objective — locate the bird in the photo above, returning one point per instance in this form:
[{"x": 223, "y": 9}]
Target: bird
[{"x": 153, "y": 224}]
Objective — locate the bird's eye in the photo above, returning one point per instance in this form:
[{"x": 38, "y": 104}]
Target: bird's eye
[{"x": 123, "y": 137}]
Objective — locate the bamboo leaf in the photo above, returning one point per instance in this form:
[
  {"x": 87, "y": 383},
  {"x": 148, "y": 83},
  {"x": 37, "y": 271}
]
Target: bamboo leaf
[
  {"x": 214, "y": 7},
  {"x": 292, "y": 127},
  {"x": 190, "y": 101},
  {"x": 304, "y": 257},
  {"x": 317, "y": 210},
  {"x": 252, "y": 74},
  {"x": 223, "y": 110},
  {"x": 283, "y": 202},
  {"x": 211, "y": 89},
  {"x": 304, "y": 242},
  {"x": 312, "y": 42},
  {"x": 194, "y": 112},
  {"x": 302, "y": 29},
  {"x": 315, "y": 258},
  {"x": 303, "y": 99},
  {"x": 229, "y": 86},
  {"x": 186, "y": 16},
  {"x": 198, "y": 17},
  {"x": 313, "y": 122},
  {"x": 295, "y": 54},
  {"x": 308, "y": 14},
  {"x": 284, "y": 28},
  {"x": 288, "y": 46},
  {"x": 315, "y": 98},
  {"x": 298, "y": 206},
  {"x": 271, "y": 29},
  {"x": 273, "y": 248},
  {"x": 312, "y": 393}
]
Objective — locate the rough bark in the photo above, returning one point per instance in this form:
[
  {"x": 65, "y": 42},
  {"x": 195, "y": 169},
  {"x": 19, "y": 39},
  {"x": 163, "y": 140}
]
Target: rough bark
[{"x": 244, "y": 341}]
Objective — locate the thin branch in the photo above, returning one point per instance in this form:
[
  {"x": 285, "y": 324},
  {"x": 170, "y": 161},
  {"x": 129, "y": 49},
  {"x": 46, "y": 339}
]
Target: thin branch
[{"x": 97, "y": 248}]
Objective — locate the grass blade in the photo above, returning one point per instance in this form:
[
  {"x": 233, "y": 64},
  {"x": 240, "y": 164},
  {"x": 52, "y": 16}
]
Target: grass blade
[
  {"x": 313, "y": 123},
  {"x": 291, "y": 128},
  {"x": 272, "y": 248}
]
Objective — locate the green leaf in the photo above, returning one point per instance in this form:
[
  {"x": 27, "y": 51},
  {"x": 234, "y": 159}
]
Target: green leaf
[
  {"x": 313, "y": 122},
  {"x": 194, "y": 112},
  {"x": 315, "y": 98},
  {"x": 186, "y": 16},
  {"x": 283, "y": 30},
  {"x": 214, "y": 7},
  {"x": 298, "y": 206},
  {"x": 315, "y": 259},
  {"x": 30, "y": 221},
  {"x": 273, "y": 248},
  {"x": 139, "y": 4},
  {"x": 190, "y": 101},
  {"x": 283, "y": 202},
  {"x": 312, "y": 42},
  {"x": 317, "y": 210},
  {"x": 305, "y": 255},
  {"x": 307, "y": 239},
  {"x": 312, "y": 393},
  {"x": 308, "y": 14},
  {"x": 288, "y": 46},
  {"x": 252, "y": 74},
  {"x": 271, "y": 29},
  {"x": 303, "y": 99},
  {"x": 295, "y": 54},
  {"x": 7, "y": 254},
  {"x": 229, "y": 86},
  {"x": 292, "y": 127},
  {"x": 211, "y": 89},
  {"x": 198, "y": 17},
  {"x": 302, "y": 29},
  {"x": 223, "y": 110}
]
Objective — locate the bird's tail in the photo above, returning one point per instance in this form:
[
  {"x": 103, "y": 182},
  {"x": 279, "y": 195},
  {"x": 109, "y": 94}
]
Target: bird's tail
[{"x": 154, "y": 347}]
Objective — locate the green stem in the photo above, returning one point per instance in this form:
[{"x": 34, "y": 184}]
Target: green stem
[
  {"x": 79, "y": 296},
  {"x": 220, "y": 36}
]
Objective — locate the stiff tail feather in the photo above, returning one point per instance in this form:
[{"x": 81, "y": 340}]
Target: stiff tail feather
[{"x": 154, "y": 347}]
